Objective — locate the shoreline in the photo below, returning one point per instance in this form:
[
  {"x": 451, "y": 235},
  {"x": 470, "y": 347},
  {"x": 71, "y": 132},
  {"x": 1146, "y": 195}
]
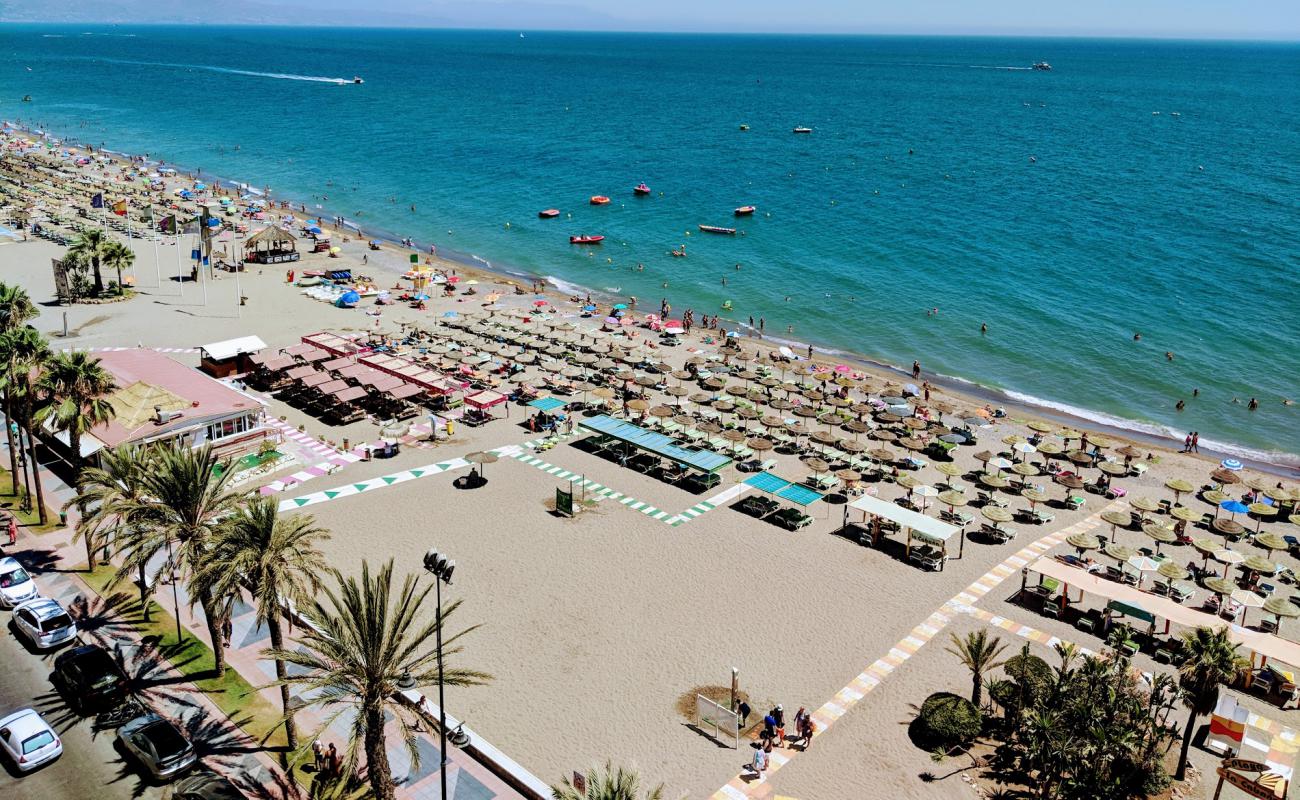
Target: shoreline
[{"x": 1280, "y": 463}]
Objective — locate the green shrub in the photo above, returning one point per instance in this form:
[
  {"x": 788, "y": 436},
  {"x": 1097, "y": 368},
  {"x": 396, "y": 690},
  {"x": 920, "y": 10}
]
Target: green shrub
[{"x": 946, "y": 720}]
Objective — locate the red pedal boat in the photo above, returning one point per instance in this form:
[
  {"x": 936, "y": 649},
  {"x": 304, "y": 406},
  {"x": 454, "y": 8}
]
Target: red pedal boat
[
  {"x": 586, "y": 239},
  {"x": 745, "y": 211},
  {"x": 641, "y": 188},
  {"x": 549, "y": 213},
  {"x": 599, "y": 200}
]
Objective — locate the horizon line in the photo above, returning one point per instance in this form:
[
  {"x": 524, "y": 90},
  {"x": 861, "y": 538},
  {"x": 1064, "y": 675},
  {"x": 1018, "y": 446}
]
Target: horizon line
[{"x": 1286, "y": 38}]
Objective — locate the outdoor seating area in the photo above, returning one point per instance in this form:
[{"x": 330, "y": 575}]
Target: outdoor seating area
[{"x": 767, "y": 506}]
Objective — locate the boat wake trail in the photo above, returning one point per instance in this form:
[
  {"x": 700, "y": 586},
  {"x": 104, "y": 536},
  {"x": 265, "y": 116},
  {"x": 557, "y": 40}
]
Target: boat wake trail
[{"x": 283, "y": 76}]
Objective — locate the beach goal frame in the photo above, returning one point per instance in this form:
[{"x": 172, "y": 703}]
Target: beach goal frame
[{"x": 719, "y": 718}]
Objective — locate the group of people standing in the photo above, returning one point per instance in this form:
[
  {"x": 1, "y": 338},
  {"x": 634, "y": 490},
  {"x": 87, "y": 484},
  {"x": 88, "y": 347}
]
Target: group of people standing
[
  {"x": 773, "y": 734},
  {"x": 328, "y": 762}
]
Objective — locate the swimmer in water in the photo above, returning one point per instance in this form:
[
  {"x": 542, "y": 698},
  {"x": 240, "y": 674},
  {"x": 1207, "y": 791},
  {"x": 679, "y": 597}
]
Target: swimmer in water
[
  {"x": 1137, "y": 337},
  {"x": 1253, "y": 404},
  {"x": 1180, "y": 405},
  {"x": 1169, "y": 355},
  {"x": 1196, "y": 393},
  {"x": 984, "y": 328}
]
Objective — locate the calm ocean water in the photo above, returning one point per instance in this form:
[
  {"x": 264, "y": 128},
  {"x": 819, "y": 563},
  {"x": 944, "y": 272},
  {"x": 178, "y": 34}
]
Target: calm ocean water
[{"x": 1058, "y": 208}]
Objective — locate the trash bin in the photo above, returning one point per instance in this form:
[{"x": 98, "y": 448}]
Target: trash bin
[{"x": 63, "y": 518}]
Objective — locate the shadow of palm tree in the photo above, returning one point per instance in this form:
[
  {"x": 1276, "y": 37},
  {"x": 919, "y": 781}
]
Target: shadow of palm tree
[
  {"x": 217, "y": 738},
  {"x": 112, "y": 617},
  {"x": 54, "y": 709},
  {"x": 38, "y": 560}
]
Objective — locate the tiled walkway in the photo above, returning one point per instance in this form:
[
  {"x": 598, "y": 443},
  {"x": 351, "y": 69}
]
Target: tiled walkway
[{"x": 747, "y": 785}]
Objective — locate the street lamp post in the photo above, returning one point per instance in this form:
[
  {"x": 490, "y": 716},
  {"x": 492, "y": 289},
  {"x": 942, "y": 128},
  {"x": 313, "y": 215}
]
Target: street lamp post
[{"x": 441, "y": 568}]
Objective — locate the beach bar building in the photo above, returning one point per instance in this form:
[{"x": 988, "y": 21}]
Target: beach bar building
[
  {"x": 231, "y": 357},
  {"x": 934, "y": 535},
  {"x": 271, "y": 245},
  {"x": 161, "y": 400}
]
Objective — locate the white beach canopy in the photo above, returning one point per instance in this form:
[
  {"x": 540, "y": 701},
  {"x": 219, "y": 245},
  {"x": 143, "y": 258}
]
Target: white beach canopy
[{"x": 919, "y": 526}]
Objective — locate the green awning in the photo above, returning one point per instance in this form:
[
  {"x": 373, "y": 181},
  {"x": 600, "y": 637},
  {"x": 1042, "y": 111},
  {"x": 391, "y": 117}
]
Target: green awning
[{"x": 1137, "y": 612}]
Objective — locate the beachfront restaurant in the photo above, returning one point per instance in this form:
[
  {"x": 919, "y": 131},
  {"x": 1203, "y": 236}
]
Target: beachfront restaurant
[
  {"x": 161, "y": 400},
  {"x": 271, "y": 245},
  {"x": 642, "y": 449},
  {"x": 927, "y": 537}
]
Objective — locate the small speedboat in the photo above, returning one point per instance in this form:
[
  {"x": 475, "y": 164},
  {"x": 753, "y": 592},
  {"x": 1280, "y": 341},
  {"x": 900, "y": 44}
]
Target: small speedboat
[
  {"x": 745, "y": 211},
  {"x": 641, "y": 188},
  {"x": 357, "y": 80},
  {"x": 744, "y": 127},
  {"x": 716, "y": 229},
  {"x": 599, "y": 200},
  {"x": 803, "y": 130},
  {"x": 586, "y": 239},
  {"x": 1042, "y": 66},
  {"x": 549, "y": 213}
]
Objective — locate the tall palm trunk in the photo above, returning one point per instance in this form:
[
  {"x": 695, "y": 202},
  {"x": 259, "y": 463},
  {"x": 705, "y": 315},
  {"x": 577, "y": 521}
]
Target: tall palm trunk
[
  {"x": 277, "y": 642},
  {"x": 99, "y": 279},
  {"x": 377, "y": 768},
  {"x": 74, "y": 444},
  {"x": 214, "y": 616},
  {"x": 36, "y": 473},
  {"x": 9, "y": 432},
  {"x": 144, "y": 595},
  {"x": 1187, "y": 744}
]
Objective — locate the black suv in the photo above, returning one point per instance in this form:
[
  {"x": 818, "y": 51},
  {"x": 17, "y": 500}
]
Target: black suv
[{"x": 90, "y": 678}]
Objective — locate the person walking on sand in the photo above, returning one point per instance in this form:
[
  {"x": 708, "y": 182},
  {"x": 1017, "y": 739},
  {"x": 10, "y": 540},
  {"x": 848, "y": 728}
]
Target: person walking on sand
[
  {"x": 916, "y": 370},
  {"x": 1196, "y": 441},
  {"x": 769, "y": 727},
  {"x": 778, "y": 714},
  {"x": 743, "y": 710},
  {"x": 1187, "y": 443},
  {"x": 760, "y": 760}
]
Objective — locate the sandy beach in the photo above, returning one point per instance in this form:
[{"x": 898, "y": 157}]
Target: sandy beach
[{"x": 594, "y": 627}]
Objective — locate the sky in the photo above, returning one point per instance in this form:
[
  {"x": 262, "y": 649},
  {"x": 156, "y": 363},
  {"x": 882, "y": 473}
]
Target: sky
[{"x": 1248, "y": 19}]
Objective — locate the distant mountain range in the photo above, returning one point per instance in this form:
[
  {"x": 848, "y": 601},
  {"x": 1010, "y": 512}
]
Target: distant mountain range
[{"x": 382, "y": 13}]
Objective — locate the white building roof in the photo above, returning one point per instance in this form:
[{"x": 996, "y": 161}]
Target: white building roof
[{"x": 220, "y": 351}]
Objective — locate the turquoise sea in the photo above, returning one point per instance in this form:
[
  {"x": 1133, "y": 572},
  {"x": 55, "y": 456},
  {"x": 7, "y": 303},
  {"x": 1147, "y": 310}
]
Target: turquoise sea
[{"x": 1139, "y": 186}]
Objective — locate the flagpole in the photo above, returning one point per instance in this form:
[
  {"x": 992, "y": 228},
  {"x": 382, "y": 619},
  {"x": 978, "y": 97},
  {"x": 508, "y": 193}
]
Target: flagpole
[{"x": 157, "y": 263}]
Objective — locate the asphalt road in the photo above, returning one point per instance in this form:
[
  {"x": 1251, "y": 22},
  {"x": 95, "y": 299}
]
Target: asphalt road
[{"x": 90, "y": 767}]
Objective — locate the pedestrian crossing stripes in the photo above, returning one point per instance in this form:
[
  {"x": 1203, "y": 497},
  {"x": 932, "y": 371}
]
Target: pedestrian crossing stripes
[{"x": 739, "y": 788}]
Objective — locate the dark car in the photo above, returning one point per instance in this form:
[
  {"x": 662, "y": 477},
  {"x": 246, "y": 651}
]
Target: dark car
[
  {"x": 90, "y": 678},
  {"x": 206, "y": 786}
]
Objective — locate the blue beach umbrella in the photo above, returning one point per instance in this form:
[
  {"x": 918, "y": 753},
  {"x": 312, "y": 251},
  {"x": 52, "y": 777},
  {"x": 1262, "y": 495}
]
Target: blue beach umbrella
[
  {"x": 421, "y": 296},
  {"x": 1234, "y": 507},
  {"x": 1230, "y": 463},
  {"x": 349, "y": 299},
  {"x": 588, "y": 308},
  {"x": 620, "y": 306},
  {"x": 313, "y": 230}
]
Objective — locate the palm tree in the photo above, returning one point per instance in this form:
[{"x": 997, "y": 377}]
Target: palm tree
[
  {"x": 276, "y": 559},
  {"x": 183, "y": 502},
  {"x": 110, "y": 496},
  {"x": 608, "y": 784},
  {"x": 119, "y": 257},
  {"x": 24, "y": 352},
  {"x": 1212, "y": 659},
  {"x": 90, "y": 247},
  {"x": 979, "y": 654},
  {"x": 361, "y": 640},
  {"x": 72, "y": 389},
  {"x": 16, "y": 309}
]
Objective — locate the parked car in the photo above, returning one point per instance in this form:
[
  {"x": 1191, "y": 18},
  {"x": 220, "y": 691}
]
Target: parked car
[
  {"x": 16, "y": 586},
  {"x": 158, "y": 745},
  {"x": 28, "y": 740},
  {"x": 205, "y": 786},
  {"x": 44, "y": 623},
  {"x": 90, "y": 678}
]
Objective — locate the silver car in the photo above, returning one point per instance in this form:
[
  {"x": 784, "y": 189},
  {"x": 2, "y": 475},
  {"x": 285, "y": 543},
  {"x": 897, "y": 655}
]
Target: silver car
[
  {"x": 157, "y": 745},
  {"x": 44, "y": 623},
  {"x": 16, "y": 586},
  {"x": 28, "y": 740}
]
